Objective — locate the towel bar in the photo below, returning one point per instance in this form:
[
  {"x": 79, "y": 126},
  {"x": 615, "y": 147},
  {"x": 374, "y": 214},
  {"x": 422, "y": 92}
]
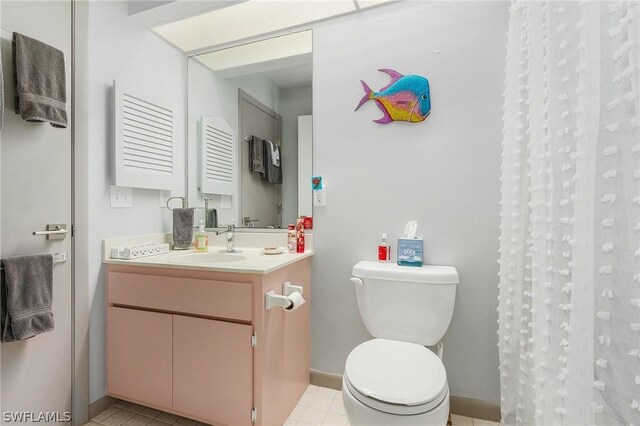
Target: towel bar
[{"x": 57, "y": 258}]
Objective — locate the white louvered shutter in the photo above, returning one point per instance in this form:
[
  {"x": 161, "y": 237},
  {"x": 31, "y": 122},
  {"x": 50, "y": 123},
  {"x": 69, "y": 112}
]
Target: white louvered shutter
[
  {"x": 144, "y": 141},
  {"x": 218, "y": 156}
]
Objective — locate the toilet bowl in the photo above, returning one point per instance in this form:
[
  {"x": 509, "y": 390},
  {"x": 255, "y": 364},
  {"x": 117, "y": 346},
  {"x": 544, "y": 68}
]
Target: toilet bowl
[
  {"x": 394, "y": 379},
  {"x": 388, "y": 382}
]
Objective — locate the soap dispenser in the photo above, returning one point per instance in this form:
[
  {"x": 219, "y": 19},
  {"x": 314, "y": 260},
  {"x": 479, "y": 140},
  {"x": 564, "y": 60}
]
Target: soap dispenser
[{"x": 202, "y": 241}]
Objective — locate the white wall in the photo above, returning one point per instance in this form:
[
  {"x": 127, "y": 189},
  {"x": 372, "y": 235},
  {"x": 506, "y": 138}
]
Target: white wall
[
  {"x": 293, "y": 102},
  {"x": 443, "y": 172},
  {"x": 121, "y": 50},
  {"x": 211, "y": 95}
]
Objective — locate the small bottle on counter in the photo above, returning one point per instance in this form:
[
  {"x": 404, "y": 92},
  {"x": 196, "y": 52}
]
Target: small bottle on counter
[
  {"x": 202, "y": 241},
  {"x": 300, "y": 235},
  {"x": 384, "y": 249},
  {"x": 291, "y": 239}
]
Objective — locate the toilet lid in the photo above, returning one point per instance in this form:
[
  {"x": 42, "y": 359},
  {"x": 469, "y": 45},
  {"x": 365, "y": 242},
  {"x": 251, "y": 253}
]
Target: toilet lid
[{"x": 396, "y": 372}]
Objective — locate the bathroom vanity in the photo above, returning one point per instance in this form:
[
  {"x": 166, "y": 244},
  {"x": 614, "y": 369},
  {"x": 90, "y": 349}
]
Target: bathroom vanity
[{"x": 188, "y": 333}]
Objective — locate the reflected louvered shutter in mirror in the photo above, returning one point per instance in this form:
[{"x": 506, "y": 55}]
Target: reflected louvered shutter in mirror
[
  {"x": 144, "y": 141},
  {"x": 218, "y": 171}
]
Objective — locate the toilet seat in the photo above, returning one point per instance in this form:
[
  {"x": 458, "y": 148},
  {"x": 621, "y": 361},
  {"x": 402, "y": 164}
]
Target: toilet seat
[{"x": 396, "y": 377}]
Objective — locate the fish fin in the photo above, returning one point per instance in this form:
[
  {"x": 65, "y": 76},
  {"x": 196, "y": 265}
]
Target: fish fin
[
  {"x": 395, "y": 76},
  {"x": 386, "y": 118},
  {"x": 368, "y": 94}
]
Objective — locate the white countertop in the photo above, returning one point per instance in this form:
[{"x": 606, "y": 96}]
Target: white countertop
[{"x": 252, "y": 260}]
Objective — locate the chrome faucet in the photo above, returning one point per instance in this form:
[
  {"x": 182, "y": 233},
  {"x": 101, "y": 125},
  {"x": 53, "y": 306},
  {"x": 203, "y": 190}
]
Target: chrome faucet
[{"x": 231, "y": 244}]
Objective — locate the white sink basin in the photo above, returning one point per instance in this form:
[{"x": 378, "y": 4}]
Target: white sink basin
[{"x": 203, "y": 258}]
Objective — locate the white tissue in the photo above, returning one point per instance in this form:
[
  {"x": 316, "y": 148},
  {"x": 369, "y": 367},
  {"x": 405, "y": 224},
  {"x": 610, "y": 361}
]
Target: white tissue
[
  {"x": 296, "y": 301},
  {"x": 411, "y": 229}
]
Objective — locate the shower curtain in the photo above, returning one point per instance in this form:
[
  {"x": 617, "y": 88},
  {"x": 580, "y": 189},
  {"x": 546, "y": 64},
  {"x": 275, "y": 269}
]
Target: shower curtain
[{"x": 569, "y": 291}]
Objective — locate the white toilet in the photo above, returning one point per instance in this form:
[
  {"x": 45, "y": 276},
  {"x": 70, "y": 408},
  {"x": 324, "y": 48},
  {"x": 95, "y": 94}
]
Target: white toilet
[{"x": 394, "y": 379}]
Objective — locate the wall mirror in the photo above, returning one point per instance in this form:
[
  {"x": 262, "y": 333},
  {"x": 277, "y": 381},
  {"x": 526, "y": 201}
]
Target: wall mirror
[{"x": 249, "y": 133}]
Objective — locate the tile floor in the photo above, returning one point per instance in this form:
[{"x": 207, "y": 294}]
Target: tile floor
[{"x": 318, "y": 407}]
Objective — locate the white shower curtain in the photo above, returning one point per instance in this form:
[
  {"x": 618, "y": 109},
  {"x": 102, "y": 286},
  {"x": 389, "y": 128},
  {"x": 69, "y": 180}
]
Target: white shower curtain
[{"x": 569, "y": 304}]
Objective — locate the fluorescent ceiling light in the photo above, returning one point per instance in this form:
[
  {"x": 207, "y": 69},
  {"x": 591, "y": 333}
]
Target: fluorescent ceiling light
[
  {"x": 248, "y": 19},
  {"x": 265, "y": 51},
  {"x": 363, "y": 4}
]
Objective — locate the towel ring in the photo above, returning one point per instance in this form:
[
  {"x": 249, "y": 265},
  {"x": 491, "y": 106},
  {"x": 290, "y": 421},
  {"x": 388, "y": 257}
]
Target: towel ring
[{"x": 184, "y": 202}]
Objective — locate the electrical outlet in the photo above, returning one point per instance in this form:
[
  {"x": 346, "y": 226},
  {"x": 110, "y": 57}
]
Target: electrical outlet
[
  {"x": 120, "y": 198},
  {"x": 164, "y": 196}
]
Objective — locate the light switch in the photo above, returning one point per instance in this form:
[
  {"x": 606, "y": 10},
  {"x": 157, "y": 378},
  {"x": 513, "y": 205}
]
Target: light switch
[
  {"x": 120, "y": 198},
  {"x": 164, "y": 196},
  {"x": 320, "y": 197}
]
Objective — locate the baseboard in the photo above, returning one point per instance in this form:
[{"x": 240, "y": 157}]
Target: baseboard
[
  {"x": 325, "y": 380},
  {"x": 100, "y": 405},
  {"x": 475, "y": 408},
  {"x": 460, "y": 405}
]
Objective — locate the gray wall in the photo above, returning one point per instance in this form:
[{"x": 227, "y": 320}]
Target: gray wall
[
  {"x": 293, "y": 102},
  {"x": 443, "y": 172}
]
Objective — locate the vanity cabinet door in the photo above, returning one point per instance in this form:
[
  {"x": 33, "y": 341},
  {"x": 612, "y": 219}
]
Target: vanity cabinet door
[
  {"x": 213, "y": 370},
  {"x": 139, "y": 357}
]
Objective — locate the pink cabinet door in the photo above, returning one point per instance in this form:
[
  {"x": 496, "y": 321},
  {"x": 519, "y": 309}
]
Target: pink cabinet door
[
  {"x": 139, "y": 357},
  {"x": 213, "y": 370}
]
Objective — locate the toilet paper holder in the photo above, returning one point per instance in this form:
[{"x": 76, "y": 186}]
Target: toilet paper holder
[{"x": 273, "y": 300}]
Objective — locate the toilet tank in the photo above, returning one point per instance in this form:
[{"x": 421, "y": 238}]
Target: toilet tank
[{"x": 405, "y": 303}]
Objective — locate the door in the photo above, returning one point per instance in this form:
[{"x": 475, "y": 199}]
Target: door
[
  {"x": 35, "y": 190},
  {"x": 213, "y": 370},
  {"x": 259, "y": 201},
  {"x": 139, "y": 355}
]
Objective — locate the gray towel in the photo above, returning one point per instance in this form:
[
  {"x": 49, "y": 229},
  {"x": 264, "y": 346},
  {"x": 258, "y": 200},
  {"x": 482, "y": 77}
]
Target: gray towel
[
  {"x": 39, "y": 75},
  {"x": 256, "y": 155},
  {"x": 273, "y": 174},
  {"x": 182, "y": 228},
  {"x": 27, "y": 293}
]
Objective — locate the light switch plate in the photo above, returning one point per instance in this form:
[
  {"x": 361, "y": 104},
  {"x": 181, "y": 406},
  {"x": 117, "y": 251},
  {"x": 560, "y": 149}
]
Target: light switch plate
[
  {"x": 120, "y": 198},
  {"x": 319, "y": 197},
  {"x": 164, "y": 196}
]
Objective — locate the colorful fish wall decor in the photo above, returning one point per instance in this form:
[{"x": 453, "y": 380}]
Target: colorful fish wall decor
[{"x": 405, "y": 98}]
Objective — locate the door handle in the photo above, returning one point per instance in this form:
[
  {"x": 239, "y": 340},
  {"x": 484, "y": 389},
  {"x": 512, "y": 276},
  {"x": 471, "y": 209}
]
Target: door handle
[{"x": 54, "y": 232}]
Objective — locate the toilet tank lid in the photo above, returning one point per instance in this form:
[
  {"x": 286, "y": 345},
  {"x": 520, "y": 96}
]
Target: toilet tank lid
[{"x": 427, "y": 274}]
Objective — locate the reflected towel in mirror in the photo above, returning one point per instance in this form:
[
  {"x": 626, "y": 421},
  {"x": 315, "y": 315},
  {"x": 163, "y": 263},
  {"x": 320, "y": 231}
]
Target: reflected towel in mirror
[
  {"x": 256, "y": 155},
  {"x": 273, "y": 174}
]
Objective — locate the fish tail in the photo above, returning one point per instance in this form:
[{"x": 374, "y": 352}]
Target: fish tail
[{"x": 368, "y": 95}]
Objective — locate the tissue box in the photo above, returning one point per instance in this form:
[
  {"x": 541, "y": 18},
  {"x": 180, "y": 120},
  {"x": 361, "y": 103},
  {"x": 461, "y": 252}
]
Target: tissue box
[{"x": 410, "y": 252}]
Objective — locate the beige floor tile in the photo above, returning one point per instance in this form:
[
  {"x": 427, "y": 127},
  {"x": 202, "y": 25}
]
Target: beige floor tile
[
  {"x": 333, "y": 419},
  {"x": 119, "y": 404},
  {"x": 91, "y": 424},
  {"x": 150, "y": 412},
  {"x": 313, "y": 416},
  {"x": 296, "y": 414},
  {"x": 320, "y": 402},
  {"x": 137, "y": 420},
  {"x": 461, "y": 420},
  {"x": 480, "y": 422},
  {"x": 290, "y": 422},
  {"x": 118, "y": 418},
  {"x": 155, "y": 422},
  {"x": 337, "y": 406},
  {"x": 104, "y": 414},
  {"x": 312, "y": 388},
  {"x": 134, "y": 408},
  {"x": 183, "y": 421},
  {"x": 326, "y": 392},
  {"x": 304, "y": 424},
  {"x": 167, "y": 418},
  {"x": 305, "y": 398}
]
